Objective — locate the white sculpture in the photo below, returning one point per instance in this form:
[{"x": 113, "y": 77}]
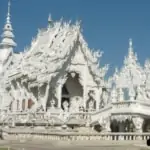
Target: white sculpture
[
  {"x": 91, "y": 100},
  {"x": 105, "y": 97},
  {"x": 140, "y": 93},
  {"x": 66, "y": 106},
  {"x": 138, "y": 122},
  {"x": 75, "y": 104},
  {"x": 91, "y": 105},
  {"x": 52, "y": 103}
]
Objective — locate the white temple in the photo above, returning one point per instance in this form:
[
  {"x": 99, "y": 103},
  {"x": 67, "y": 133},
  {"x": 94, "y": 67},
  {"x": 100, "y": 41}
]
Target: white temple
[{"x": 58, "y": 80}]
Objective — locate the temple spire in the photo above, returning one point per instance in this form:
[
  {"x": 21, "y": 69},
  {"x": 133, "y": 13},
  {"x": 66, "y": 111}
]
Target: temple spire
[
  {"x": 8, "y": 36},
  {"x": 131, "y": 50},
  {"x": 130, "y": 47},
  {"x": 50, "y": 21},
  {"x": 8, "y": 13},
  {"x": 131, "y": 57},
  {"x": 130, "y": 43}
]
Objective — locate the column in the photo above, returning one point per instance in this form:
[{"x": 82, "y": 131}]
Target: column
[
  {"x": 113, "y": 95},
  {"x": 16, "y": 100},
  {"x": 20, "y": 105},
  {"x": 26, "y": 104},
  {"x": 21, "y": 96},
  {"x": 15, "y": 96},
  {"x": 131, "y": 93},
  {"x": 59, "y": 92},
  {"x": 14, "y": 105},
  {"x": 85, "y": 87},
  {"x": 45, "y": 99},
  {"x": 98, "y": 95},
  {"x": 120, "y": 95},
  {"x": 19, "y": 99}
]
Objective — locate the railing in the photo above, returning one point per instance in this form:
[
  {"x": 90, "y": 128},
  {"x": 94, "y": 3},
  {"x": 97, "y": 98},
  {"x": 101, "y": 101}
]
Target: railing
[
  {"x": 125, "y": 104},
  {"x": 18, "y": 117},
  {"x": 71, "y": 136},
  {"x": 128, "y": 103},
  {"x": 23, "y": 118},
  {"x": 134, "y": 107},
  {"x": 121, "y": 108},
  {"x": 106, "y": 111}
]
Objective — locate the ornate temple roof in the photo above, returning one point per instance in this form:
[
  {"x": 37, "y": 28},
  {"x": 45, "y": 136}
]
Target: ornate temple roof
[
  {"x": 52, "y": 50},
  {"x": 131, "y": 73}
]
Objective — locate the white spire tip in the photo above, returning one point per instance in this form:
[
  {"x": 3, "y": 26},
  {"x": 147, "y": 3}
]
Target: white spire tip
[
  {"x": 49, "y": 18},
  {"x": 130, "y": 42}
]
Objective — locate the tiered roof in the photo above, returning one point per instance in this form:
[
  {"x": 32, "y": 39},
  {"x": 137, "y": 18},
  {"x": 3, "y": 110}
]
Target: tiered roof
[
  {"x": 8, "y": 36},
  {"x": 131, "y": 73}
]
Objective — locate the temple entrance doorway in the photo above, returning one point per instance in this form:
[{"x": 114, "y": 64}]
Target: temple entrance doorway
[{"x": 72, "y": 92}]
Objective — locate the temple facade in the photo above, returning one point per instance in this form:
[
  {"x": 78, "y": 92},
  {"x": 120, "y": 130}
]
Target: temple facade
[{"x": 59, "y": 81}]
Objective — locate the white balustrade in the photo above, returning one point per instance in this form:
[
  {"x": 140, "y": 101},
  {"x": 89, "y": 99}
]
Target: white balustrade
[{"x": 74, "y": 136}]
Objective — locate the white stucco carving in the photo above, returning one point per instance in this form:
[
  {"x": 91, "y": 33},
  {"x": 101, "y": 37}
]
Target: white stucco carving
[
  {"x": 59, "y": 78},
  {"x": 138, "y": 122}
]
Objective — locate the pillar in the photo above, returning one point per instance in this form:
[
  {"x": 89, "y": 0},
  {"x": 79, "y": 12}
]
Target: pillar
[
  {"x": 26, "y": 104},
  {"x": 85, "y": 87},
  {"x": 131, "y": 93},
  {"x": 14, "y": 105},
  {"x": 120, "y": 95},
  {"x": 98, "y": 94},
  {"x": 59, "y": 92}
]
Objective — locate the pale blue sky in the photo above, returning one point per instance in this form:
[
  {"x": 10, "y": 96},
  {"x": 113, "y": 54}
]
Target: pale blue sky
[{"x": 107, "y": 24}]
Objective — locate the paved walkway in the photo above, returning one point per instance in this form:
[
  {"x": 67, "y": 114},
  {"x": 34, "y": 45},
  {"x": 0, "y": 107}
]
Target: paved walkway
[{"x": 76, "y": 145}]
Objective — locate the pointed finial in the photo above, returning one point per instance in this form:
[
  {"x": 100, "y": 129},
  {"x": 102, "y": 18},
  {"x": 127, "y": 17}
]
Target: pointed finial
[
  {"x": 9, "y": 4},
  {"x": 130, "y": 47},
  {"x": 8, "y": 13},
  {"x": 130, "y": 43},
  {"x": 49, "y": 18},
  {"x": 50, "y": 21}
]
